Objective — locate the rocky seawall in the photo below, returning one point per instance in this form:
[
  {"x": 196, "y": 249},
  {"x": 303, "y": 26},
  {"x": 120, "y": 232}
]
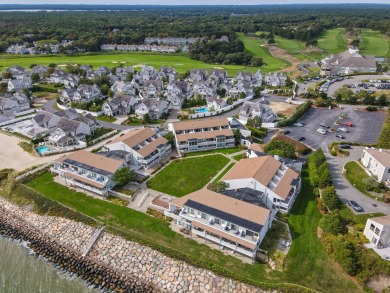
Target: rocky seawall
[{"x": 113, "y": 263}]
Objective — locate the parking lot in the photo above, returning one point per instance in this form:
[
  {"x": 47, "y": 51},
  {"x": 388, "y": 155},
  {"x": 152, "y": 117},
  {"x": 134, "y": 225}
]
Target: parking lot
[{"x": 366, "y": 126}]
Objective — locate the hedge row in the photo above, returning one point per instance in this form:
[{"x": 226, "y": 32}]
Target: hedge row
[
  {"x": 38, "y": 88},
  {"x": 300, "y": 111},
  {"x": 384, "y": 138}
]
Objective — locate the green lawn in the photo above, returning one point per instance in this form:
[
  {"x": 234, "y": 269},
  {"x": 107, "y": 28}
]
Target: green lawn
[
  {"x": 355, "y": 174},
  {"x": 224, "y": 172},
  {"x": 257, "y": 48},
  {"x": 220, "y": 151},
  {"x": 333, "y": 41},
  {"x": 179, "y": 61},
  {"x": 106, "y": 118},
  {"x": 307, "y": 262},
  {"x": 374, "y": 43},
  {"x": 184, "y": 176},
  {"x": 141, "y": 224},
  {"x": 238, "y": 157}
]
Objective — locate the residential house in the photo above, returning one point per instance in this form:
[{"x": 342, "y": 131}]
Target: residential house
[
  {"x": 169, "y": 73},
  {"x": 218, "y": 76},
  {"x": 176, "y": 101},
  {"x": 144, "y": 146},
  {"x": 71, "y": 80},
  {"x": 45, "y": 119},
  {"x": 347, "y": 62},
  {"x": 73, "y": 128},
  {"x": 86, "y": 93},
  {"x": 58, "y": 76},
  {"x": 122, "y": 72},
  {"x": 255, "y": 150},
  {"x": 243, "y": 76},
  {"x": 204, "y": 88},
  {"x": 22, "y": 82},
  {"x": 377, "y": 231},
  {"x": 148, "y": 73},
  {"x": 198, "y": 75},
  {"x": 87, "y": 170},
  {"x": 178, "y": 87},
  {"x": 268, "y": 179},
  {"x": 250, "y": 110},
  {"x": 275, "y": 79},
  {"x": 258, "y": 78},
  {"x": 245, "y": 138},
  {"x": 199, "y": 135},
  {"x": 126, "y": 87},
  {"x": 15, "y": 70},
  {"x": 240, "y": 88},
  {"x": 377, "y": 162},
  {"x": 216, "y": 103},
  {"x": 153, "y": 107},
  {"x": 119, "y": 104},
  {"x": 228, "y": 222},
  {"x": 17, "y": 102},
  {"x": 102, "y": 71},
  {"x": 41, "y": 70},
  {"x": 153, "y": 88}
]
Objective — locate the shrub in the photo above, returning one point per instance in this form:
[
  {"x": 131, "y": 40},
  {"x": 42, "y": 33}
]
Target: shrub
[
  {"x": 384, "y": 141},
  {"x": 300, "y": 111},
  {"x": 280, "y": 148},
  {"x": 372, "y": 108},
  {"x": 333, "y": 224},
  {"x": 330, "y": 198}
]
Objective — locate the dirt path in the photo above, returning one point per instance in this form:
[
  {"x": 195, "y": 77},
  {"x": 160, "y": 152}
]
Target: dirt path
[{"x": 283, "y": 54}]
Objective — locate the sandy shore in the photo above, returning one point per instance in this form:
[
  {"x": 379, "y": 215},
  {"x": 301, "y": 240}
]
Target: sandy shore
[{"x": 13, "y": 156}]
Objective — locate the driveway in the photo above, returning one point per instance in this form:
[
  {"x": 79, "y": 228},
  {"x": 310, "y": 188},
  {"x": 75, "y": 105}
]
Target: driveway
[{"x": 346, "y": 191}]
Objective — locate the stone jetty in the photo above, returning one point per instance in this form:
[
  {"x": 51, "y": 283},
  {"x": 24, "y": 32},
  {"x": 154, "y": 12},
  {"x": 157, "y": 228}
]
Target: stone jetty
[{"x": 113, "y": 263}]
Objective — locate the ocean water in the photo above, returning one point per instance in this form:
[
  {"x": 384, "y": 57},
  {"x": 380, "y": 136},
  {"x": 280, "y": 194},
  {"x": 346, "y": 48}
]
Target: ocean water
[{"x": 23, "y": 272}]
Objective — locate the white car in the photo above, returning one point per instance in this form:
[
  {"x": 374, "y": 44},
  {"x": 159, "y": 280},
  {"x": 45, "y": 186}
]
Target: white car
[
  {"x": 321, "y": 130},
  {"x": 342, "y": 129},
  {"x": 298, "y": 124}
]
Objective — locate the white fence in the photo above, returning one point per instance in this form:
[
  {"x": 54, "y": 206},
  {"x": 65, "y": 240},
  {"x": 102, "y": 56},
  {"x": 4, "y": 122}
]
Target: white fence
[
  {"x": 95, "y": 114},
  {"x": 220, "y": 111},
  {"x": 13, "y": 121},
  {"x": 269, "y": 125},
  {"x": 29, "y": 111},
  {"x": 92, "y": 142},
  {"x": 65, "y": 149},
  {"x": 33, "y": 171}
]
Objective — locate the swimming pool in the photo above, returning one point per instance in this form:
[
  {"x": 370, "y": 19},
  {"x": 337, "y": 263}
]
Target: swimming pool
[
  {"x": 42, "y": 149},
  {"x": 202, "y": 110}
]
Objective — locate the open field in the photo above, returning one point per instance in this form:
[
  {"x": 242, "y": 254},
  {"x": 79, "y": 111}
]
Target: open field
[
  {"x": 184, "y": 176},
  {"x": 374, "y": 43},
  {"x": 332, "y": 41},
  {"x": 316, "y": 270},
  {"x": 180, "y": 62},
  {"x": 355, "y": 175},
  {"x": 283, "y": 108},
  {"x": 258, "y": 49}
]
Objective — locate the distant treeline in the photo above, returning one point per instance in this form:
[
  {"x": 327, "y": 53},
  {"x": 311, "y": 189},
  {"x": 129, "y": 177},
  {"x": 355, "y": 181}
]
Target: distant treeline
[{"x": 121, "y": 24}]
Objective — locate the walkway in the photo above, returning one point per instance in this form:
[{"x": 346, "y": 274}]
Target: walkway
[{"x": 95, "y": 236}]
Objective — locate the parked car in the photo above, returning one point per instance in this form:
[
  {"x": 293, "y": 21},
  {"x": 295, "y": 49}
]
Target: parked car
[
  {"x": 321, "y": 130},
  {"x": 348, "y": 123},
  {"x": 325, "y": 125},
  {"x": 353, "y": 204},
  {"x": 340, "y": 136},
  {"x": 301, "y": 138},
  {"x": 342, "y": 129},
  {"x": 298, "y": 124},
  {"x": 286, "y": 132},
  {"x": 344, "y": 146}
]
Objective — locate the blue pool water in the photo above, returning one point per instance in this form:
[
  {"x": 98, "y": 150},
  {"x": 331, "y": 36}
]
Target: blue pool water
[
  {"x": 202, "y": 110},
  {"x": 42, "y": 149}
]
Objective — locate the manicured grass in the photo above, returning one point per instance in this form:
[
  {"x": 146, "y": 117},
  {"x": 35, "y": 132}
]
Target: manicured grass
[
  {"x": 141, "y": 224},
  {"x": 238, "y": 157},
  {"x": 374, "y": 43},
  {"x": 355, "y": 174},
  {"x": 219, "y": 151},
  {"x": 184, "y": 176},
  {"x": 307, "y": 262},
  {"x": 256, "y": 47},
  {"x": 224, "y": 172},
  {"x": 179, "y": 61},
  {"x": 106, "y": 118},
  {"x": 332, "y": 41}
]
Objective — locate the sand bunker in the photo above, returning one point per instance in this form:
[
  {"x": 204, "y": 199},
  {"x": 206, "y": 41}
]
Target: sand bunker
[{"x": 218, "y": 67}]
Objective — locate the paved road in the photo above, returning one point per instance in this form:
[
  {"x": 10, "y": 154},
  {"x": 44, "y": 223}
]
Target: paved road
[{"x": 346, "y": 191}]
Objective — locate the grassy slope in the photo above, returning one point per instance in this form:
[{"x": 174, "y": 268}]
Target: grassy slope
[
  {"x": 309, "y": 267},
  {"x": 374, "y": 43},
  {"x": 179, "y": 62},
  {"x": 141, "y": 224},
  {"x": 271, "y": 63},
  {"x": 332, "y": 41},
  {"x": 307, "y": 262},
  {"x": 187, "y": 175},
  {"x": 355, "y": 174},
  {"x": 221, "y": 151}
]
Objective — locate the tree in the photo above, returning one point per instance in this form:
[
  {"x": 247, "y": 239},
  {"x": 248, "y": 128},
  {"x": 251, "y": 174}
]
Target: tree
[
  {"x": 52, "y": 65},
  {"x": 170, "y": 137},
  {"x": 33, "y": 65},
  {"x": 330, "y": 198},
  {"x": 280, "y": 148},
  {"x": 237, "y": 136},
  {"x": 129, "y": 76},
  {"x": 355, "y": 43},
  {"x": 123, "y": 176},
  {"x": 35, "y": 77},
  {"x": 7, "y": 75},
  {"x": 147, "y": 118},
  {"x": 254, "y": 122},
  {"x": 333, "y": 224}
]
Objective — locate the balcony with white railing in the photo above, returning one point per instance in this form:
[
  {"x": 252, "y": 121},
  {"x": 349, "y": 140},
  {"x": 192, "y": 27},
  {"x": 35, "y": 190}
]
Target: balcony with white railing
[{"x": 82, "y": 173}]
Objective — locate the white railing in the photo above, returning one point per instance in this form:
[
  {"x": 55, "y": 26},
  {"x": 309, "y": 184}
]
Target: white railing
[
  {"x": 65, "y": 149},
  {"x": 100, "y": 138},
  {"x": 95, "y": 114},
  {"x": 12, "y": 121}
]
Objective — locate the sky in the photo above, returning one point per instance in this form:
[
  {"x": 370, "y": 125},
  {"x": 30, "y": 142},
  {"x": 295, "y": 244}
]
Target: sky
[{"x": 189, "y": 2}]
